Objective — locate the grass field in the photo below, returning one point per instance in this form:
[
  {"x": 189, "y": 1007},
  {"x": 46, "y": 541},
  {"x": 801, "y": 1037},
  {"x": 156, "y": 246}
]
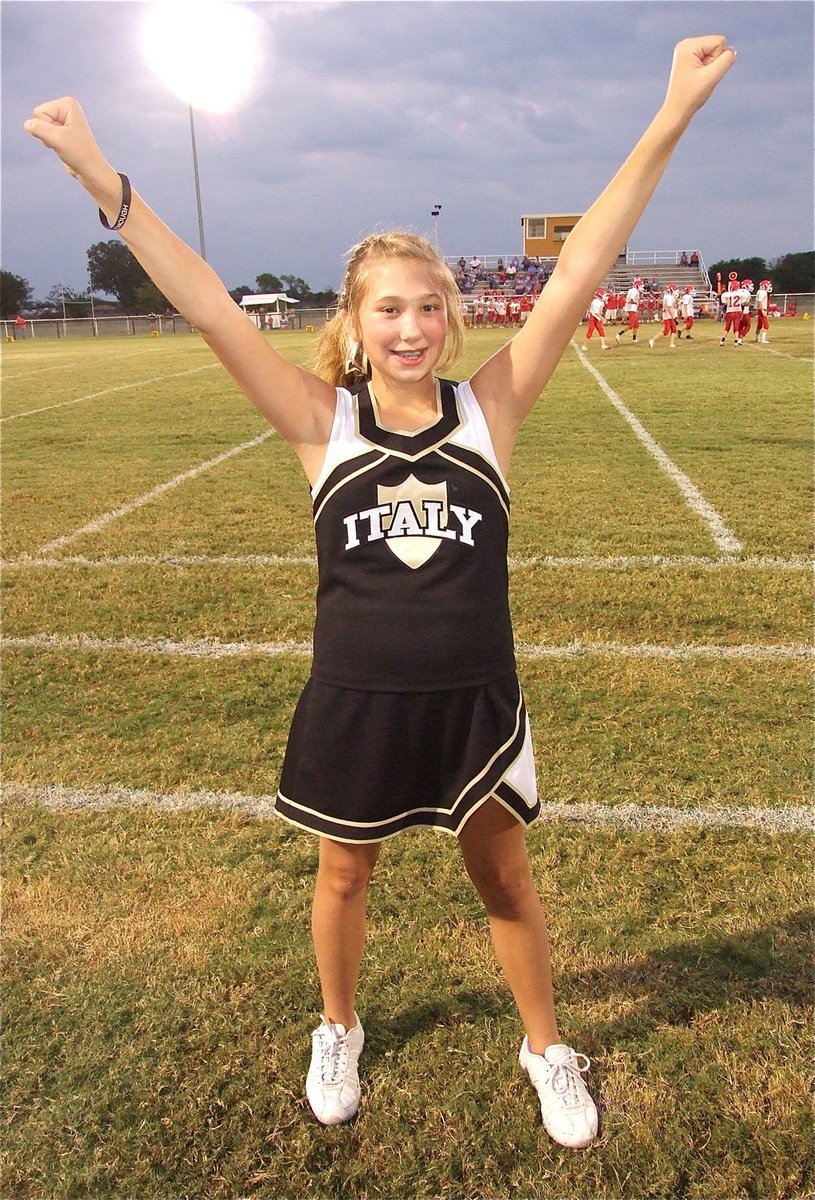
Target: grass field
[{"x": 160, "y": 991}]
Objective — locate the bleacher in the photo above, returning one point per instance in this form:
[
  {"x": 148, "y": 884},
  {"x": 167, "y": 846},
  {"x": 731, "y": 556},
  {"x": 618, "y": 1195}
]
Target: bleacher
[
  {"x": 622, "y": 275},
  {"x": 654, "y": 266}
]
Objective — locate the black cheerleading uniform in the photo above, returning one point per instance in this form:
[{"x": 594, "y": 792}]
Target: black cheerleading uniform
[{"x": 413, "y": 715}]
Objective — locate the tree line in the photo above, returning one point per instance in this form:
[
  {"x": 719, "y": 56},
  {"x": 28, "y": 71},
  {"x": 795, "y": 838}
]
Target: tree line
[
  {"x": 790, "y": 273},
  {"x": 114, "y": 271}
]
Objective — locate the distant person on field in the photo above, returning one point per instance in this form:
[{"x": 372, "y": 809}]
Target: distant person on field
[
  {"x": 413, "y": 715},
  {"x": 669, "y": 316},
  {"x": 686, "y": 312},
  {"x": 632, "y": 312},
  {"x": 731, "y": 300},
  {"x": 765, "y": 289},
  {"x": 747, "y": 289},
  {"x": 596, "y": 314}
]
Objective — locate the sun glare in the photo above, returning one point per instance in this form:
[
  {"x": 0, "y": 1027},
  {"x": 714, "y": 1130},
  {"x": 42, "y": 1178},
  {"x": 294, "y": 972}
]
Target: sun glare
[{"x": 209, "y": 53}]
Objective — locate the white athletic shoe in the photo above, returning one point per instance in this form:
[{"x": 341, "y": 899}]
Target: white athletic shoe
[
  {"x": 568, "y": 1111},
  {"x": 332, "y": 1083},
  {"x": 618, "y": 337},
  {"x": 651, "y": 343}
]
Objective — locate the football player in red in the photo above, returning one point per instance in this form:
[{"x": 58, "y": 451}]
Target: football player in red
[
  {"x": 746, "y": 296},
  {"x": 632, "y": 311},
  {"x": 686, "y": 311},
  {"x": 596, "y": 310},
  {"x": 669, "y": 315},
  {"x": 763, "y": 294}
]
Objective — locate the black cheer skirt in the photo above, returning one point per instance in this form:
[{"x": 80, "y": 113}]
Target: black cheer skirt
[{"x": 362, "y": 766}]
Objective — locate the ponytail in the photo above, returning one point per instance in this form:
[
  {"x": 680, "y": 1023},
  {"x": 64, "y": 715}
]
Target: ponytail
[{"x": 340, "y": 361}]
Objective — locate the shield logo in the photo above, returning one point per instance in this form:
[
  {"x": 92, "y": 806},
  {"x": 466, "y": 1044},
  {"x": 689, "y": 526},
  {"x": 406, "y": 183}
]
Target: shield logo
[{"x": 406, "y": 531}]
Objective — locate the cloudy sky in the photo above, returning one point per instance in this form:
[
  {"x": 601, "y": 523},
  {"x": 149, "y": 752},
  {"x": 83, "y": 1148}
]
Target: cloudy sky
[{"x": 368, "y": 114}]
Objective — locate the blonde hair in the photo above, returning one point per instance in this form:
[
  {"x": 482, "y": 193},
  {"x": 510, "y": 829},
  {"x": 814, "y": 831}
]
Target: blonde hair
[{"x": 340, "y": 362}]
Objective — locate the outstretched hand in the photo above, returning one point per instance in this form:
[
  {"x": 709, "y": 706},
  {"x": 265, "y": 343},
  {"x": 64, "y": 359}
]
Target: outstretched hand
[
  {"x": 699, "y": 65},
  {"x": 62, "y": 127}
]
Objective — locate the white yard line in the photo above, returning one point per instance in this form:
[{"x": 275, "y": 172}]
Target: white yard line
[
  {"x": 12, "y": 377},
  {"x": 9, "y": 377},
  {"x": 666, "y": 561},
  {"x": 620, "y": 562},
  {"x": 56, "y": 797},
  {"x": 211, "y": 648},
  {"x": 125, "y": 509},
  {"x": 724, "y": 539},
  {"x": 764, "y": 652},
  {"x": 124, "y": 387},
  {"x": 778, "y": 353},
  {"x": 195, "y": 648}
]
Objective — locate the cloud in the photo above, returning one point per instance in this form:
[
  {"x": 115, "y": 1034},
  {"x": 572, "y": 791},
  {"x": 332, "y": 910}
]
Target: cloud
[{"x": 372, "y": 112}]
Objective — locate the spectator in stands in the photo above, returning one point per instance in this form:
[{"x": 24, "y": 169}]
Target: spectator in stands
[
  {"x": 694, "y": 258},
  {"x": 475, "y": 263},
  {"x": 683, "y": 259}
]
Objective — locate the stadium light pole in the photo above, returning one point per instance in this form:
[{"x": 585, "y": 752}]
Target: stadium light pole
[
  {"x": 435, "y": 215},
  {"x": 201, "y": 241},
  {"x": 210, "y": 54}
]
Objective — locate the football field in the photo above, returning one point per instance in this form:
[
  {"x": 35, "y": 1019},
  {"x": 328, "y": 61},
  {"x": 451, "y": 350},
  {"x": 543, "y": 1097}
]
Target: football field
[{"x": 159, "y": 576}]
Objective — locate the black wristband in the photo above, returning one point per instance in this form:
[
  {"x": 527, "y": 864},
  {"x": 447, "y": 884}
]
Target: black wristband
[{"x": 123, "y": 211}]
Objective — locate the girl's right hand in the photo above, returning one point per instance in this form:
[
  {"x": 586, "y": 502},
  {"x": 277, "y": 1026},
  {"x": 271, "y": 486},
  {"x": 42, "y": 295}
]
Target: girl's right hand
[{"x": 62, "y": 127}]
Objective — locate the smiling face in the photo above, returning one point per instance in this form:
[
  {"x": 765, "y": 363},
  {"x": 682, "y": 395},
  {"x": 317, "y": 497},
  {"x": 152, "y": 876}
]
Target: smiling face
[{"x": 402, "y": 321}]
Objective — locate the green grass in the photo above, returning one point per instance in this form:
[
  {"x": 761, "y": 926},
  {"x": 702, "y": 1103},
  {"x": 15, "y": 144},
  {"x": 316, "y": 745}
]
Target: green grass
[{"x": 160, "y": 987}]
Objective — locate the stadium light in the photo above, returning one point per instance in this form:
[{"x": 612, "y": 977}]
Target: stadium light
[
  {"x": 434, "y": 212},
  {"x": 209, "y": 53}
]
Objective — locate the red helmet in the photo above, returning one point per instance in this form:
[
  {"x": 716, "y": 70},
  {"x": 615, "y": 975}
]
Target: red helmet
[
  {"x": 689, "y": 290},
  {"x": 637, "y": 283},
  {"x": 747, "y": 283},
  {"x": 765, "y": 283},
  {"x": 672, "y": 288},
  {"x": 600, "y": 294}
]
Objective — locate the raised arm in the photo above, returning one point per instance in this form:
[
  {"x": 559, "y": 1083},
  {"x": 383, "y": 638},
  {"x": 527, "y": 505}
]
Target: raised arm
[
  {"x": 296, "y": 402},
  {"x": 509, "y": 383}
]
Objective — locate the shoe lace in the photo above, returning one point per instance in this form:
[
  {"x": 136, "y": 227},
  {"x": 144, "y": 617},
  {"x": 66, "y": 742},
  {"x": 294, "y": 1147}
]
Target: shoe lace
[
  {"x": 565, "y": 1078},
  {"x": 333, "y": 1055}
]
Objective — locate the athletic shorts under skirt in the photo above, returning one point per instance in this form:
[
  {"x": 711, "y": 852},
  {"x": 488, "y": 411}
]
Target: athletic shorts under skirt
[{"x": 361, "y": 766}]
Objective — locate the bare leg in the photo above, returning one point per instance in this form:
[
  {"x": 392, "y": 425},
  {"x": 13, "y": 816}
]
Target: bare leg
[
  {"x": 338, "y": 923},
  {"x": 494, "y": 849}
]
